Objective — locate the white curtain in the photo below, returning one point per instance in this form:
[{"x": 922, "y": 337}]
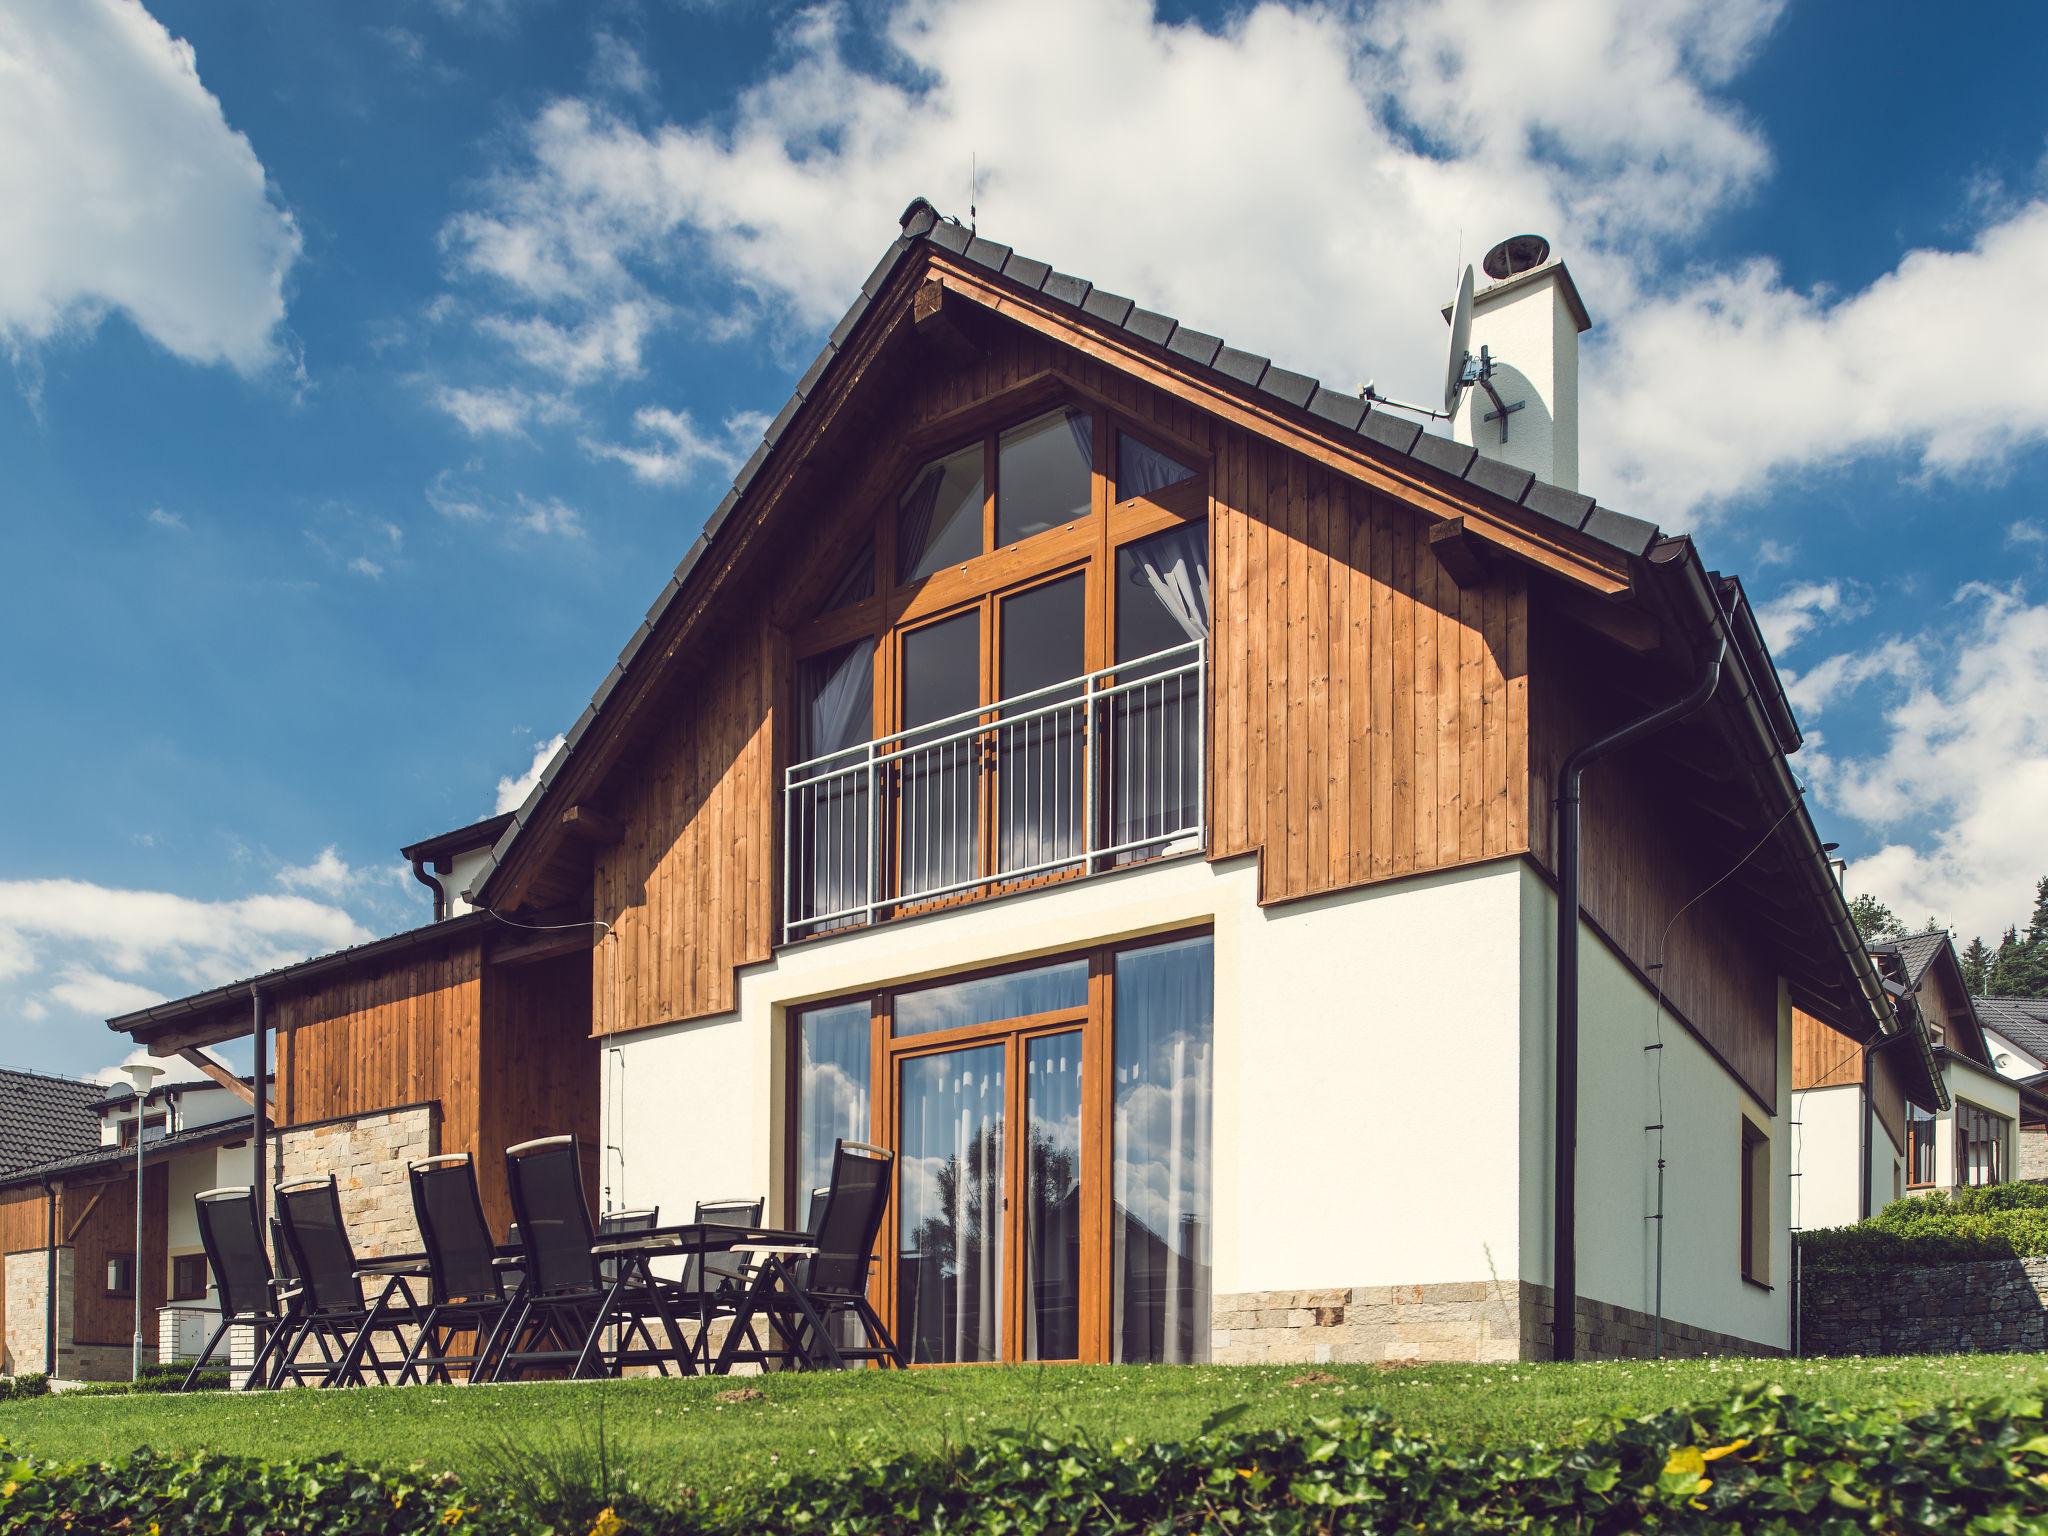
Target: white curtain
[
  {"x": 1176, "y": 567},
  {"x": 1142, "y": 469}
]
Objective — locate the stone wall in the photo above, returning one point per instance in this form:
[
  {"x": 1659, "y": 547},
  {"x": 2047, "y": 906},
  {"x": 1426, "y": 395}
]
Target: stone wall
[
  {"x": 1460, "y": 1320},
  {"x": 367, "y": 1155},
  {"x": 2001, "y": 1304},
  {"x": 26, "y": 1344},
  {"x": 2033, "y": 1152}
]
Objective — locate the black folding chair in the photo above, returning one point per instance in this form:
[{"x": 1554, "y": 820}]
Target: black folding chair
[
  {"x": 232, "y": 1238},
  {"x": 817, "y": 1301},
  {"x": 466, "y": 1288},
  {"x": 565, "y": 1302},
  {"x": 714, "y": 1284},
  {"x": 619, "y": 1224},
  {"x": 334, "y": 1312}
]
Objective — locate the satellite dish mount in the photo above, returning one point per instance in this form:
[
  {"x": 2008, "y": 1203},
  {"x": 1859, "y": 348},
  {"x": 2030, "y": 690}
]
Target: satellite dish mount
[{"x": 1464, "y": 369}]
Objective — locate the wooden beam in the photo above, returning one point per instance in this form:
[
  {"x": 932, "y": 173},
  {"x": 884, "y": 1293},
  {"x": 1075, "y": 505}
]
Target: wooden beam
[
  {"x": 98, "y": 1190},
  {"x": 1461, "y": 553},
  {"x": 592, "y": 825},
  {"x": 221, "y": 1075},
  {"x": 943, "y": 328},
  {"x": 545, "y": 946}
]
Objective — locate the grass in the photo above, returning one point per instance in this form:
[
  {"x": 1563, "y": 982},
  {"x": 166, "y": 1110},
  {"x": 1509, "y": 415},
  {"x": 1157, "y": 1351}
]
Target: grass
[{"x": 711, "y": 1434}]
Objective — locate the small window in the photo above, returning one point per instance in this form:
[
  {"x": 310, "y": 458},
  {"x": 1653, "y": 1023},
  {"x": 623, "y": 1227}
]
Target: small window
[
  {"x": 155, "y": 1128},
  {"x": 1142, "y": 470},
  {"x": 1043, "y": 473},
  {"x": 938, "y": 522},
  {"x": 188, "y": 1277},
  {"x": 1756, "y": 1203},
  {"x": 1980, "y": 1145},
  {"x": 121, "y": 1275},
  {"x": 1919, "y": 1148},
  {"x": 1017, "y": 994}
]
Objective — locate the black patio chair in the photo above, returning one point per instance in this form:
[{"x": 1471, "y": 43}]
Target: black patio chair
[
  {"x": 818, "y": 1301},
  {"x": 466, "y": 1290},
  {"x": 335, "y": 1314},
  {"x": 566, "y": 1302},
  {"x": 249, "y": 1293}
]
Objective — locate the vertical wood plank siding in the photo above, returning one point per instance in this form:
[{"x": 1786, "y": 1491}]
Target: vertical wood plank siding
[
  {"x": 1642, "y": 860},
  {"x": 108, "y": 1232},
  {"x": 538, "y": 1070},
  {"x": 1823, "y": 1057},
  {"x": 23, "y": 1217},
  {"x": 1370, "y": 718}
]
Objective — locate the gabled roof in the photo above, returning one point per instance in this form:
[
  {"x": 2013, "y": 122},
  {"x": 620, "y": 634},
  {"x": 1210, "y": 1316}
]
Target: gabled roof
[
  {"x": 478, "y": 834},
  {"x": 2022, "y": 1020},
  {"x": 1916, "y": 951},
  {"x": 98, "y": 1156},
  {"x": 44, "y": 1117},
  {"x": 1692, "y": 611}
]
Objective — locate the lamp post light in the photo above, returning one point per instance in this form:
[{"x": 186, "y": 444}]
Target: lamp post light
[{"x": 141, "y": 1074}]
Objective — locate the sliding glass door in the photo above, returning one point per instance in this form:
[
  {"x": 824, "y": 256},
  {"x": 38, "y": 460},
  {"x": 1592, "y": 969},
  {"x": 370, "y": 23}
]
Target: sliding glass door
[{"x": 1051, "y": 1122}]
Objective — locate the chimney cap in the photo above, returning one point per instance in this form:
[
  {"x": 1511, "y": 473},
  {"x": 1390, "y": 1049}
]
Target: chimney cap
[{"x": 1516, "y": 254}]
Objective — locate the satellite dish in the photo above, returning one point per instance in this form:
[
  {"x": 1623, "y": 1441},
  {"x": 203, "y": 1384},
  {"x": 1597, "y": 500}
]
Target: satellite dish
[
  {"x": 1514, "y": 255},
  {"x": 1456, "y": 370}
]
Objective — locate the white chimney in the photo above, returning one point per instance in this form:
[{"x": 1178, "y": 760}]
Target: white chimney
[{"x": 1528, "y": 321}]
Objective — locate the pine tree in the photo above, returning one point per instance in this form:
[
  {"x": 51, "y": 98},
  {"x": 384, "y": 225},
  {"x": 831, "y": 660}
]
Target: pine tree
[
  {"x": 2024, "y": 973},
  {"x": 2005, "y": 967},
  {"x": 1874, "y": 920},
  {"x": 1977, "y": 967}
]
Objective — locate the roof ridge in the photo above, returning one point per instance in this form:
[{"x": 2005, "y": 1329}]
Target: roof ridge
[{"x": 51, "y": 1077}]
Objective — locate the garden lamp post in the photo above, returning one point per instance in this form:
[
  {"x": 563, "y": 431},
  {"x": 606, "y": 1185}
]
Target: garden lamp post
[{"x": 141, "y": 1074}]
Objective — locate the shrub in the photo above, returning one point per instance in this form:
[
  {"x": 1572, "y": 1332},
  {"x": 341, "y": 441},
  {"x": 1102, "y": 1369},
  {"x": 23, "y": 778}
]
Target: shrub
[
  {"x": 1762, "y": 1461},
  {"x": 29, "y": 1384},
  {"x": 1999, "y": 1221}
]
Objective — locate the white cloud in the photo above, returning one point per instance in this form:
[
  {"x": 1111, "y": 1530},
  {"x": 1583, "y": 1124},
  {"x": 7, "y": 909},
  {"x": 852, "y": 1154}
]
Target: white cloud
[
  {"x": 671, "y": 447},
  {"x": 126, "y": 190},
  {"x": 157, "y": 517},
  {"x": 548, "y": 516},
  {"x": 499, "y": 412},
  {"x": 1362, "y": 151},
  {"x": 454, "y": 501},
  {"x": 616, "y": 65},
  {"x": 1829, "y": 681},
  {"x": 1794, "y": 613},
  {"x": 1775, "y": 552},
  {"x": 512, "y": 792},
  {"x": 363, "y": 565},
  {"x": 329, "y": 874},
  {"x": 2026, "y": 533},
  {"x": 1959, "y": 787},
  {"x": 605, "y": 346},
  {"x": 90, "y": 992}
]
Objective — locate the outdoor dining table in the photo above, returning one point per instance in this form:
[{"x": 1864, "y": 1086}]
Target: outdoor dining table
[{"x": 633, "y": 1255}]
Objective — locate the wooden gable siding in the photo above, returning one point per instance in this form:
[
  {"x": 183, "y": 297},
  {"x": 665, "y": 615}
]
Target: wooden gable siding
[
  {"x": 692, "y": 888},
  {"x": 98, "y": 1222},
  {"x": 1642, "y": 858},
  {"x": 1824, "y": 1057},
  {"x": 1370, "y": 717},
  {"x": 538, "y": 1074},
  {"x": 24, "y": 1217}
]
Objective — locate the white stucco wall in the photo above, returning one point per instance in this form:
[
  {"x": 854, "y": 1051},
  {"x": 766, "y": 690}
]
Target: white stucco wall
[
  {"x": 1366, "y": 1064},
  {"x": 2011, "y": 1060},
  {"x": 463, "y": 869},
  {"x": 1887, "y": 1168},
  {"x": 1617, "y": 1192},
  {"x": 1827, "y": 1148}
]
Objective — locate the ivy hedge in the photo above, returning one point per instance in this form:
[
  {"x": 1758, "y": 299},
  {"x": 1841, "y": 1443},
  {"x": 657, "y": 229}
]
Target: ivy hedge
[
  {"x": 1998, "y": 1221},
  {"x": 1763, "y": 1461}
]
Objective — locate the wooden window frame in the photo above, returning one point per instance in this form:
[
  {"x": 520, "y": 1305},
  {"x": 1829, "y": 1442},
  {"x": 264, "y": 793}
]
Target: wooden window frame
[
  {"x": 1916, "y": 1138},
  {"x": 1975, "y": 1125},
  {"x": 1753, "y": 1249},
  {"x": 156, "y": 1122},
  {"x": 116, "y": 1264},
  {"x": 1094, "y": 1020},
  {"x": 180, "y": 1290}
]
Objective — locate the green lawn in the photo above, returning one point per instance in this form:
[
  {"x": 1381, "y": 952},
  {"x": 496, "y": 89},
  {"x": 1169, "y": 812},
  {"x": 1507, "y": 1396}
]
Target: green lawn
[{"x": 708, "y": 1434}]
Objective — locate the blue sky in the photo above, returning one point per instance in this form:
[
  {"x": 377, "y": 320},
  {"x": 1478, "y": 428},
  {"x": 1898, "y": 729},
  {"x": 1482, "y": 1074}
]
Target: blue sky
[{"x": 372, "y": 364}]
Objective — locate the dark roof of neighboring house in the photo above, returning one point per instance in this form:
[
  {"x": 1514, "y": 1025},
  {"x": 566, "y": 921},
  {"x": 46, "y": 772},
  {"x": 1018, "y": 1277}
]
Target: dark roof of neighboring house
[
  {"x": 2022, "y": 1020},
  {"x": 478, "y": 834},
  {"x": 1916, "y": 951},
  {"x": 43, "y": 1117},
  {"x": 111, "y": 1157}
]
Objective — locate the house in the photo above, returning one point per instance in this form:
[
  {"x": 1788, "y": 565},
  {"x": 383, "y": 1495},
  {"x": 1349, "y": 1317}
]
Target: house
[
  {"x": 1116, "y": 773},
  {"x": 67, "y": 1228},
  {"x": 44, "y": 1117},
  {"x": 2016, "y": 1028}
]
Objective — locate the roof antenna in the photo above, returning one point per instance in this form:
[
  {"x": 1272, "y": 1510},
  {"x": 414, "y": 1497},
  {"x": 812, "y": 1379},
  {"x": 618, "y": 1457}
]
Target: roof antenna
[{"x": 973, "y": 187}]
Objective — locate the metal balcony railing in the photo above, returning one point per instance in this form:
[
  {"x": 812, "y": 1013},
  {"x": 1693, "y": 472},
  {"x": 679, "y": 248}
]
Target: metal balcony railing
[{"x": 1090, "y": 774}]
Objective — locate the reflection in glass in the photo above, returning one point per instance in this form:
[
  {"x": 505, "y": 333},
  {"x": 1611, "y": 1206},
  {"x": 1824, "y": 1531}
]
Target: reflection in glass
[
  {"x": 1041, "y": 785},
  {"x": 1142, "y": 469},
  {"x": 829, "y": 815},
  {"x": 1152, "y": 733},
  {"x": 1043, "y": 474},
  {"x": 856, "y": 582},
  {"x": 938, "y": 522},
  {"x": 1052, "y": 1197},
  {"x": 1160, "y": 1176},
  {"x": 832, "y": 1090},
  {"x": 940, "y": 778},
  {"x": 991, "y": 999},
  {"x": 949, "y": 1261}
]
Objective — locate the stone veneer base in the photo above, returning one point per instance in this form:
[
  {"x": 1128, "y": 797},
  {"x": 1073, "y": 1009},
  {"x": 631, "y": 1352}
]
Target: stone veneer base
[{"x": 1466, "y": 1320}]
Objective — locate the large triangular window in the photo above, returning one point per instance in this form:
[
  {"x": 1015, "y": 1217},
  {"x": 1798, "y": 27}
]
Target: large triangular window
[
  {"x": 1142, "y": 470},
  {"x": 938, "y": 521}
]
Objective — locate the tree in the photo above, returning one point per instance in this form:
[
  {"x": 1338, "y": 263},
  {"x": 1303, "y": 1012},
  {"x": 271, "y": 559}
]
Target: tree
[
  {"x": 1977, "y": 967},
  {"x": 1874, "y": 920},
  {"x": 2020, "y": 968}
]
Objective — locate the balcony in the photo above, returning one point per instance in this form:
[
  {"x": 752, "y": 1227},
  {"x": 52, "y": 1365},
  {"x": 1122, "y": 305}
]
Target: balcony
[{"x": 1092, "y": 774}]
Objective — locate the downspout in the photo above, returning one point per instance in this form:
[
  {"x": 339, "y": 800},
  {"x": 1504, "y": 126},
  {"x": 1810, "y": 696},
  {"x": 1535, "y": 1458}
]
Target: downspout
[
  {"x": 1564, "y": 1239},
  {"x": 50, "y": 1282},
  {"x": 260, "y": 1111},
  {"x": 440, "y": 896}
]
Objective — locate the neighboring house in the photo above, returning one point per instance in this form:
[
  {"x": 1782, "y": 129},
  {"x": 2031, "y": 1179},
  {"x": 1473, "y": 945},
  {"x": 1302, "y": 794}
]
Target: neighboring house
[
  {"x": 2017, "y": 1029},
  {"x": 67, "y": 1230},
  {"x": 1851, "y": 1105},
  {"x": 44, "y": 1117},
  {"x": 1116, "y": 773}
]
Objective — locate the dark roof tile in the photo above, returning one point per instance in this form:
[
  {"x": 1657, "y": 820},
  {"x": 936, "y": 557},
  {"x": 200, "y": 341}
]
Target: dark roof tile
[
  {"x": 949, "y": 236},
  {"x": 1066, "y": 289},
  {"x": 1022, "y": 269},
  {"x": 1503, "y": 480},
  {"x": 1395, "y": 432},
  {"x": 1150, "y": 325},
  {"x": 849, "y": 320},
  {"x": 43, "y": 1118},
  {"x": 1286, "y": 384},
  {"x": 1560, "y": 506},
  {"x": 816, "y": 371},
  {"x": 1441, "y": 453},
  {"x": 987, "y": 253},
  {"x": 1630, "y": 534},
  {"x": 1245, "y": 367},
  {"x": 1196, "y": 345},
  {"x": 886, "y": 267},
  {"x": 98, "y": 1156},
  {"x": 1347, "y": 411},
  {"x": 1104, "y": 305},
  {"x": 782, "y": 419}
]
